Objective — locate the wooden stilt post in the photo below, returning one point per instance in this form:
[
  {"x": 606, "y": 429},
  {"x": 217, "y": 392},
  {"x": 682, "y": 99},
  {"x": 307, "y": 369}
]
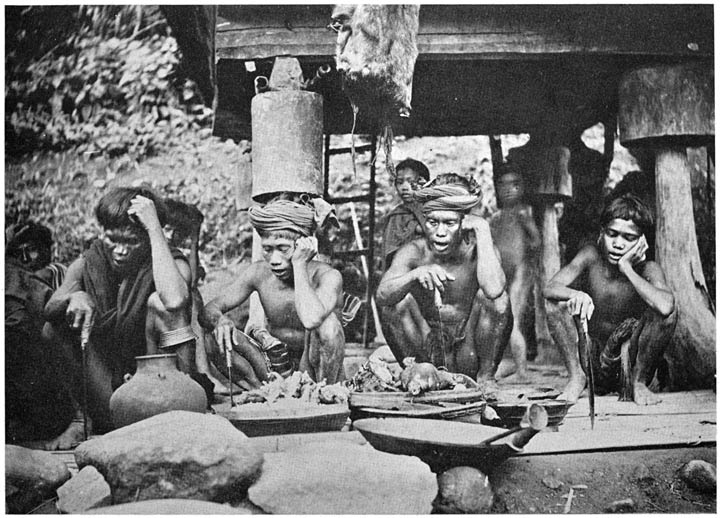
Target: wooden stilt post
[{"x": 667, "y": 109}]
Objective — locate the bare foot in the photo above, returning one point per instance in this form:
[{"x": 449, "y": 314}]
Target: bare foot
[
  {"x": 489, "y": 387},
  {"x": 573, "y": 389},
  {"x": 516, "y": 379},
  {"x": 643, "y": 396},
  {"x": 505, "y": 369},
  {"x": 69, "y": 439}
]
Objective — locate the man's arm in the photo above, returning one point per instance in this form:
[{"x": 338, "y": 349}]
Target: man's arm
[
  {"x": 651, "y": 285},
  {"x": 528, "y": 223},
  {"x": 397, "y": 281},
  {"x": 490, "y": 275},
  {"x": 558, "y": 288},
  {"x": 71, "y": 290},
  {"x": 212, "y": 316},
  {"x": 172, "y": 278},
  {"x": 313, "y": 306}
]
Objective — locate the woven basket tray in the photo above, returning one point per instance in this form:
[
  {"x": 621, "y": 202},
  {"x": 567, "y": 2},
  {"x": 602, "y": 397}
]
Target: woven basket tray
[{"x": 390, "y": 400}]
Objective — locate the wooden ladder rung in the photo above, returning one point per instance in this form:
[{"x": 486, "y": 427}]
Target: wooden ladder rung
[
  {"x": 338, "y": 200},
  {"x": 344, "y": 150}
]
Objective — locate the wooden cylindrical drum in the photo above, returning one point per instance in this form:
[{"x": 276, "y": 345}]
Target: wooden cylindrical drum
[
  {"x": 553, "y": 175},
  {"x": 287, "y": 143},
  {"x": 667, "y": 101}
]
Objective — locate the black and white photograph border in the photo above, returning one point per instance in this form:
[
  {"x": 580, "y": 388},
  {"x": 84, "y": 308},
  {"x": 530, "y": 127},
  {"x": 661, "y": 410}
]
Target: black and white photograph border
[{"x": 367, "y": 259}]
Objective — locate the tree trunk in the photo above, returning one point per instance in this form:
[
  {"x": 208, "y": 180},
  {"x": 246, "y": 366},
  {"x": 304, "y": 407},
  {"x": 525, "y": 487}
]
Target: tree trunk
[
  {"x": 193, "y": 26},
  {"x": 691, "y": 356},
  {"x": 549, "y": 266}
]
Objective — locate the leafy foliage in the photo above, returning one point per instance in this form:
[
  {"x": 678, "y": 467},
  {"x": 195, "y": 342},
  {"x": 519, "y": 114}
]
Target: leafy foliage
[
  {"x": 61, "y": 190},
  {"x": 103, "y": 90}
]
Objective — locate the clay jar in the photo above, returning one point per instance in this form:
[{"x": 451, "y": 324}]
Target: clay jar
[{"x": 158, "y": 386}]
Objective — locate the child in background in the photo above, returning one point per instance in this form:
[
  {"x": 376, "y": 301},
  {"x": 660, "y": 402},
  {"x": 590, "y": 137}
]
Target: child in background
[
  {"x": 403, "y": 224},
  {"x": 516, "y": 236}
]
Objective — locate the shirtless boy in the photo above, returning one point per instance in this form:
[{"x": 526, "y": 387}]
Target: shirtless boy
[
  {"x": 624, "y": 298},
  {"x": 516, "y": 236},
  {"x": 403, "y": 324},
  {"x": 301, "y": 297},
  {"x": 455, "y": 277}
]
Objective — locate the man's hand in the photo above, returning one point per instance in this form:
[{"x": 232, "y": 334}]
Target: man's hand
[
  {"x": 634, "y": 256},
  {"x": 224, "y": 333},
  {"x": 143, "y": 210},
  {"x": 581, "y": 304},
  {"x": 476, "y": 223},
  {"x": 305, "y": 249},
  {"x": 432, "y": 276},
  {"x": 81, "y": 311}
]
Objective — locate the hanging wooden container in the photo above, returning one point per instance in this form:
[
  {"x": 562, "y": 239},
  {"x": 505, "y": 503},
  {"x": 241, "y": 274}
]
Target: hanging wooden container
[
  {"x": 287, "y": 143},
  {"x": 667, "y": 101},
  {"x": 552, "y": 174}
]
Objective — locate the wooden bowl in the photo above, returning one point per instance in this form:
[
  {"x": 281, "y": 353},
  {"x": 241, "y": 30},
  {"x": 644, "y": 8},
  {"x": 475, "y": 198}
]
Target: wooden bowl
[
  {"x": 512, "y": 413},
  {"x": 262, "y": 419},
  {"x": 440, "y": 444}
]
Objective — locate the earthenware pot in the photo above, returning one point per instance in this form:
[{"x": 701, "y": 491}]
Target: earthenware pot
[{"x": 157, "y": 386}]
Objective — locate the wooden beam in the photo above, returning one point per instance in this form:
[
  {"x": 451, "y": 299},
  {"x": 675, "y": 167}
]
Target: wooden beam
[{"x": 484, "y": 31}]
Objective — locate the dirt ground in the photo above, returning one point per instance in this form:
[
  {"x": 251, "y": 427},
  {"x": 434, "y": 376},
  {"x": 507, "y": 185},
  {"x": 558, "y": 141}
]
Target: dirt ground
[{"x": 540, "y": 484}]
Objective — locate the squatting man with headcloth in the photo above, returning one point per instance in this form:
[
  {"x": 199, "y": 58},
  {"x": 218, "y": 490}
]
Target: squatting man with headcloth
[
  {"x": 301, "y": 297},
  {"x": 624, "y": 298},
  {"x": 130, "y": 294},
  {"x": 454, "y": 275}
]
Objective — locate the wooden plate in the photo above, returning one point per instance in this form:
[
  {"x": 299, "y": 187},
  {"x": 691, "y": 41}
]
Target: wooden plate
[{"x": 262, "y": 419}]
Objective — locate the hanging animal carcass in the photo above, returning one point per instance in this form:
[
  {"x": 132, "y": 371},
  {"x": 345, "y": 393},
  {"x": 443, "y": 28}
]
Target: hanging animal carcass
[{"x": 375, "y": 53}]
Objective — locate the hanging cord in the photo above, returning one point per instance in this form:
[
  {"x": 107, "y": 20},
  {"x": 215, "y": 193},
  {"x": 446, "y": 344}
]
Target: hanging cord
[{"x": 352, "y": 139}]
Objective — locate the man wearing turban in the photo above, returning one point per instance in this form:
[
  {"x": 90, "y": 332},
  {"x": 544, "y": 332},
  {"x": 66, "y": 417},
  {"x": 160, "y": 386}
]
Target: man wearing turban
[
  {"x": 455, "y": 276},
  {"x": 301, "y": 297}
]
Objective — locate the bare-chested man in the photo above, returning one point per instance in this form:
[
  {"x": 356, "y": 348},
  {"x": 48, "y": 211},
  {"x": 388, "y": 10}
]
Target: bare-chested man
[
  {"x": 624, "y": 298},
  {"x": 517, "y": 238},
  {"x": 301, "y": 297},
  {"x": 454, "y": 275}
]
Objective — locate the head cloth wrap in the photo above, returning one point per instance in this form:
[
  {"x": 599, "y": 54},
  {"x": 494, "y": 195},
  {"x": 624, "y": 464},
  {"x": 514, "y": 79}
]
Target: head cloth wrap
[
  {"x": 283, "y": 215},
  {"x": 446, "y": 197}
]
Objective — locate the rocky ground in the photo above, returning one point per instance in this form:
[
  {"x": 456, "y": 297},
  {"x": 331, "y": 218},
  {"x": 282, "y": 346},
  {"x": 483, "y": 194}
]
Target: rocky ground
[{"x": 642, "y": 481}]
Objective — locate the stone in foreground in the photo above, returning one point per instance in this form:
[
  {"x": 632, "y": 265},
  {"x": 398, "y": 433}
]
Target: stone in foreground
[
  {"x": 31, "y": 476},
  {"x": 174, "y": 455},
  {"x": 340, "y": 477},
  {"x": 626, "y": 505},
  {"x": 87, "y": 489},
  {"x": 699, "y": 475},
  {"x": 463, "y": 490},
  {"x": 172, "y": 506}
]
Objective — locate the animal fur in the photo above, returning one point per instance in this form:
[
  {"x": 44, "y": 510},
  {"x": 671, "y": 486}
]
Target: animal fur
[{"x": 375, "y": 52}]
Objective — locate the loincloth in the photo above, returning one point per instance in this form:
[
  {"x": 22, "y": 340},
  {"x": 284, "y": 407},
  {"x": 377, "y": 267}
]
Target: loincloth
[
  {"x": 606, "y": 357},
  {"x": 443, "y": 340}
]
